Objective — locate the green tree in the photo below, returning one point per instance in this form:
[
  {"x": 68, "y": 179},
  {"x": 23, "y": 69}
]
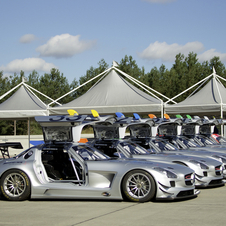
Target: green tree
[
  {"x": 130, "y": 67},
  {"x": 187, "y": 72},
  {"x": 33, "y": 80},
  {"x": 54, "y": 85},
  {"x": 91, "y": 73},
  {"x": 15, "y": 79},
  {"x": 4, "y": 85},
  {"x": 180, "y": 68},
  {"x": 172, "y": 87},
  {"x": 205, "y": 70},
  {"x": 218, "y": 65},
  {"x": 194, "y": 70},
  {"x": 73, "y": 85}
]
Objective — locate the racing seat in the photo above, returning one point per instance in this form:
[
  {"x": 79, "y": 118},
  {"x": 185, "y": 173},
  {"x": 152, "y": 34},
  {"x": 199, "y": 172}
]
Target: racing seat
[{"x": 47, "y": 161}]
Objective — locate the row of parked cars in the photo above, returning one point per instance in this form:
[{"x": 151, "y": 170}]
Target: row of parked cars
[{"x": 132, "y": 158}]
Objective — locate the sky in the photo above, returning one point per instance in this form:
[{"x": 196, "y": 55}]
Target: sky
[{"x": 73, "y": 35}]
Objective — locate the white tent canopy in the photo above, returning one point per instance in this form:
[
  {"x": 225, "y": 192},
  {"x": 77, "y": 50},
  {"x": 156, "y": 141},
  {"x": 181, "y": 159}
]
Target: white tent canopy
[
  {"x": 210, "y": 99},
  {"x": 22, "y": 104},
  {"x": 112, "y": 93}
]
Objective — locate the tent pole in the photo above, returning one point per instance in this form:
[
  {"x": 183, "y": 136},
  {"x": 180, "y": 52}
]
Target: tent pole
[
  {"x": 14, "y": 127},
  {"x": 28, "y": 131},
  {"x": 221, "y": 104},
  {"x": 222, "y": 126}
]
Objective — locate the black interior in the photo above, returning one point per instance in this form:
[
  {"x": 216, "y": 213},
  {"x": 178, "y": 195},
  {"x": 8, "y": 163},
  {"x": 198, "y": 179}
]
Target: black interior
[{"x": 58, "y": 164}]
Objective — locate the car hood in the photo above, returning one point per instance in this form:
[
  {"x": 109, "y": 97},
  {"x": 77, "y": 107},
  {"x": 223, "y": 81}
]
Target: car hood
[{"x": 178, "y": 157}]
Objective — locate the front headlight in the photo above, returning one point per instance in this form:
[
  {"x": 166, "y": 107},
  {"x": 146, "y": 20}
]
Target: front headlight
[
  {"x": 202, "y": 165},
  {"x": 168, "y": 173}
]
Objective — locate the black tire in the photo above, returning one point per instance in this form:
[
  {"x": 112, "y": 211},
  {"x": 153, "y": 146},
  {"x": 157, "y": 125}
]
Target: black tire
[
  {"x": 15, "y": 185},
  {"x": 138, "y": 186}
]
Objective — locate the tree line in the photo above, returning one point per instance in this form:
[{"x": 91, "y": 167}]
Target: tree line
[{"x": 185, "y": 72}]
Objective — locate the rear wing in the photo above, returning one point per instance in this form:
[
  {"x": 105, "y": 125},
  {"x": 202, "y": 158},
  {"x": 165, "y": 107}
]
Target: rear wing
[{"x": 4, "y": 148}]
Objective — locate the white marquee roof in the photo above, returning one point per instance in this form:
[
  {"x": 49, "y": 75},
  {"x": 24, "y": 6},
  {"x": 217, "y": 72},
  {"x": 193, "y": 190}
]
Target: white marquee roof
[
  {"x": 112, "y": 94},
  {"x": 210, "y": 99}
]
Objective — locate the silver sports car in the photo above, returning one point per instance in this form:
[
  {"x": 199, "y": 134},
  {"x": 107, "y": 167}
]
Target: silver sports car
[
  {"x": 208, "y": 172},
  {"x": 63, "y": 169}
]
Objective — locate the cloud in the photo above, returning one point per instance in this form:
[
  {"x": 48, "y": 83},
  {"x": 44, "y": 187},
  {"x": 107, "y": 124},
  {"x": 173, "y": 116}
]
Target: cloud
[
  {"x": 167, "y": 53},
  {"x": 27, "y": 38},
  {"x": 209, "y": 54},
  {"x": 159, "y": 1},
  {"x": 63, "y": 46},
  {"x": 27, "y": 65}
]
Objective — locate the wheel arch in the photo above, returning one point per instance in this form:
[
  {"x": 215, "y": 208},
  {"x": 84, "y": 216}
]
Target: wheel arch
[
  {"x": 17, "y": 169},
  {"x": 7, "y": 170},
  {"x": 145, "y": 170},
  {"x": 26, "y": 194}
]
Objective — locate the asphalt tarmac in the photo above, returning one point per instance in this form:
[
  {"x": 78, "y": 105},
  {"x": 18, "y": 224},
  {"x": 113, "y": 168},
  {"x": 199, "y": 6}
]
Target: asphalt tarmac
[{"x": 208, "y": 208}]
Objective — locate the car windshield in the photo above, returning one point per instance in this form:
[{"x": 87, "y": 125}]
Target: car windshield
[
  {"x": 134, "y": 149},
  {"x": 220, "y": 139},
  {"x": 57, "y": 134},
  {"x": 204, "y": 140},
  {"x": 163, "y": 145},
  {"x": 89, "y": 153},
  {"x": 189, "y": 143}
]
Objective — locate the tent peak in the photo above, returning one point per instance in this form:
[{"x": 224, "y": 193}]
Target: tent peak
[
  {"x": 24, "y": 79},
  {"x": 115, "y": 64},
  {"x": 214, "y": 70}
]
